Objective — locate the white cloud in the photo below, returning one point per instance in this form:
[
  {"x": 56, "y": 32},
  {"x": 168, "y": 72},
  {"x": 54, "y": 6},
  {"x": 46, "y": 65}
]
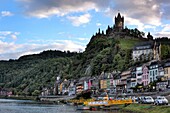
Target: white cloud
[
  {"x": 166, "y": 28},
  {"x": 11, "y": 34},
  {"x": 10, "y": 47},
  {"x": 6, "y": 13},
  {"x": 143, "y": 12},
  {"x": 2, "y": 37},
  {"x": 83, "y": 39},
  {"x": 79, "y": 20},
  {"x": 165, "y": 32},
  {"x": 150, "y": 27},
  {"x": 61, "y": 33},
  {"x": 5, "y": 33},
  {"x": 14, "y": 51},
  {"x": 162, "y": 34},
  {"x": 98, "y": 24},
  {"x": 45, "y": 9},
  {"x": 147, "y": 11},
  {"x": 134, "y": 22}
]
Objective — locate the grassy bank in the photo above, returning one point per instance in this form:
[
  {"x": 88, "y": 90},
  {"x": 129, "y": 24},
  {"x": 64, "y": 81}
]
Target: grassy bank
[{"x": 145, "y": 108}]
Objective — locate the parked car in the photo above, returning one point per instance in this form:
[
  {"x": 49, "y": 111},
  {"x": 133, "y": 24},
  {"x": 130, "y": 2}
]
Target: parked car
[
  {"x": 148, "y": 100},
  {"x": 140, "y": 99},
  {"x": 161, "y": 100},
  {"x": 135, "y": 99}
]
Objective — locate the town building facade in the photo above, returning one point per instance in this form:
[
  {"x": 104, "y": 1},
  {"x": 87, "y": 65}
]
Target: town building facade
[{"x": 145, "y": 75}]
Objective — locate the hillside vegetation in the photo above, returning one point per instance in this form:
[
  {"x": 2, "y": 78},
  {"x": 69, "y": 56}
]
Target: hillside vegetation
[
  {"x": 29, "y": 74},
  {"x": 128, "y": 43}
]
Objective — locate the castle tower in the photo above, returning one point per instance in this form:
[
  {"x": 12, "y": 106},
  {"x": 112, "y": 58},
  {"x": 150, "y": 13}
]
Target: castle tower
[{"x": 119, "y": 23}]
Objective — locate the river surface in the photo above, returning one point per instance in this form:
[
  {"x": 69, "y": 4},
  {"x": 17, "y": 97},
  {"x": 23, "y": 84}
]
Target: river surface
[{"x": 27, "y": 106}]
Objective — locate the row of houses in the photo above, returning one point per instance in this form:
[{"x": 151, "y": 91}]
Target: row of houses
[
  {"x": 4, "y": 92},
  {"x": 138, "y": 77},
  {"x": 124, "y": 81},
  {"x": 142, "y": 76}
]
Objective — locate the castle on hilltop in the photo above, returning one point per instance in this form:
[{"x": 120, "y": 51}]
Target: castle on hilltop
[
  {"x": 118, "y": 30},
  {"x": 119, "y": 23}
]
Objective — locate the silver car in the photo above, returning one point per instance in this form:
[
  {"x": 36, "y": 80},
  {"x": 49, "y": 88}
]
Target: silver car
[
  {"x": 161, "y": 100},
  {"x": 148, "y": 100}
]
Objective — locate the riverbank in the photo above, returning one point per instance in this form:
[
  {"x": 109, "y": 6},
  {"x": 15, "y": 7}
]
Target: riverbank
[
  {"x": 132, "y": 108},
  {"x": 144, "y": 108},
  {"x": 19, "y": 97}
]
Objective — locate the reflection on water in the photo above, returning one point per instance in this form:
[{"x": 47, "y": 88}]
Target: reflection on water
[{"x": 27, "y": 106}]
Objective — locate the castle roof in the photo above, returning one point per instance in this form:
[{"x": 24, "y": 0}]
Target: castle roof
[{"x": 119, "y": 16}]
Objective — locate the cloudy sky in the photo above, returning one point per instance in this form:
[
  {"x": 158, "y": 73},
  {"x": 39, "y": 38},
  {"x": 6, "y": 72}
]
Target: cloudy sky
[{"x": 31, "y": 26}]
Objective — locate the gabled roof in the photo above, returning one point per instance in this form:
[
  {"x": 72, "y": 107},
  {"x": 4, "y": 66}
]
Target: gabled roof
[
  {"x": 143, "y": 46},
  {"x": 104, "y": 75},
  {"x": 153, "y": 63},
  {"x": 82, "y": 79},
  {"x": 167, "y": 64},
  {"x": 126, "y": 72}
]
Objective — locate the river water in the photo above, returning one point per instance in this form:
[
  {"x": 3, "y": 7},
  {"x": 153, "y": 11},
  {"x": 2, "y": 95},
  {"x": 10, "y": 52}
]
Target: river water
[{"x": 27, "y": 106}]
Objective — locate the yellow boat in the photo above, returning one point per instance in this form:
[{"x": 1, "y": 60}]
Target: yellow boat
[{"x": 107, "y": 102}]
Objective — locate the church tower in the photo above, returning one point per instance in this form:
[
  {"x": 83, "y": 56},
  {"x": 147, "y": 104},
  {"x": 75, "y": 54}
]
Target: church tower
[{"x": 119, "y": 23}]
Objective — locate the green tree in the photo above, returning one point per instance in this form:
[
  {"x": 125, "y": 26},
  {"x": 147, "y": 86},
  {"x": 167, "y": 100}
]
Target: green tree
[{"x": 36, "y": 93}]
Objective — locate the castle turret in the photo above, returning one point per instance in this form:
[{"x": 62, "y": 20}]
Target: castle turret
[{"x": 119, "y": 23}]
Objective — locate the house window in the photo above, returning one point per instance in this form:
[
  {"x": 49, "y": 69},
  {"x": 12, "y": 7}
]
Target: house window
[
  {"x": 146, "y": 57},
  {"x": 156, "y": 72},
  {"x": 142, "y": 51},
  {"x": 150, "y": 73},
  {"x": 166, "y": 71},
  {"x": 144, "y": 71},
  {"x": 146, "y": 51},
  {"x": 138, "y": 51},
  {"x": 153, "y": 77},
  {"x": 151, "y": 67}
]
